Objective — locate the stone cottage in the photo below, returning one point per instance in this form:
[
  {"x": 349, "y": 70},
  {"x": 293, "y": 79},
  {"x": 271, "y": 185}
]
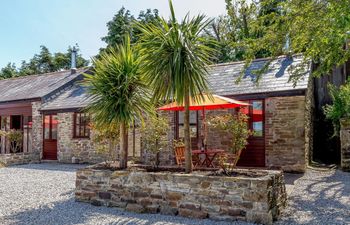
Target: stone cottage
[
  {"x": 280, "y": 113},
  {"x": 47, "y": 109}
]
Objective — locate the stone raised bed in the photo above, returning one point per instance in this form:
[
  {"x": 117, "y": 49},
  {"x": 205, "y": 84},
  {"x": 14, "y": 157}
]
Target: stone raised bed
[
  {"x": 258, "y": 198},
  {"x": 19, "y": 158}
]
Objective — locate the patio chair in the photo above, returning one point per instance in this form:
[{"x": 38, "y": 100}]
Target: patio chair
[
  {"x": 180, "y": 155},
  {"x": 231, "y": 159}
]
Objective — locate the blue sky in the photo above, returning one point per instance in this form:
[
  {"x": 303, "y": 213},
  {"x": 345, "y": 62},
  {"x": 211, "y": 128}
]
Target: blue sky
[{"x": 27, "y": 24}]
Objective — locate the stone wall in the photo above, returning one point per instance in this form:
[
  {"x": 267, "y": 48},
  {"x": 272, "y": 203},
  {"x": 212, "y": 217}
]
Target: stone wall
[
  {"x": 257, "y": 199},
  {"x": 37, "y": 128},
  {"x": 285, "y": 133},
  {"x": 79, "y": 150},
  {"x": 19, "y": 158},
  {"x": 345, "y": 145}
]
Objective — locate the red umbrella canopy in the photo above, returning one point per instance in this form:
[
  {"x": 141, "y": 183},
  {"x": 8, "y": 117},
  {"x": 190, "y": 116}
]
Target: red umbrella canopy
[{"x": 206, "y": 103}]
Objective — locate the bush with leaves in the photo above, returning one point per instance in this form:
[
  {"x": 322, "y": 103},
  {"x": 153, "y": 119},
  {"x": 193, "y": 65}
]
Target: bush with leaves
[
  {"x": 236, "y": 126},
  {"x": 340, "y": 108},
  {"x": 106, "y": 139},
  {"x": 15, "y": 138},
  {"x": 154, "y": 132}
]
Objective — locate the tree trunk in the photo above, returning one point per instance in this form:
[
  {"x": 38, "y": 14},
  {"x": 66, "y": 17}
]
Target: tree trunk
[
  {"x": 123, "y": 146},
  {"x": 188, "y": 151}
]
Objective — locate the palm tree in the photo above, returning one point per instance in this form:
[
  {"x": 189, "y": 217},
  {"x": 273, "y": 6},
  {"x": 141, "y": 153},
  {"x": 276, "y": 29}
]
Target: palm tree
[
  {"x": 120, "y": 95},
  {"x": 175, "y": 62}
]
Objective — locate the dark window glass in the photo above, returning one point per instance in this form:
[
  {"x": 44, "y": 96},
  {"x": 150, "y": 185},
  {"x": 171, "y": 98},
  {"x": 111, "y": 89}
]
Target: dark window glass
[{"x": 81, "y": 125}]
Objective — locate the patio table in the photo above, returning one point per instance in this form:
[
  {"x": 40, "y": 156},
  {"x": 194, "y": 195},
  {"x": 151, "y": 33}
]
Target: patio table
[{"x": 209, "y": 156}]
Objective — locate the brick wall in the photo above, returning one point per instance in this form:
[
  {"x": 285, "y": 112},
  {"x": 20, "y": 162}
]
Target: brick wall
[{"x": 285, "y": 133}]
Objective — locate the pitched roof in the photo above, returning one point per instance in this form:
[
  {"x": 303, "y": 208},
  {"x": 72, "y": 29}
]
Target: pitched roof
[
  {"x": 73, "y": 98},
  {"x": 222, "y": 77},
  {"x": 36, "y": 86}
]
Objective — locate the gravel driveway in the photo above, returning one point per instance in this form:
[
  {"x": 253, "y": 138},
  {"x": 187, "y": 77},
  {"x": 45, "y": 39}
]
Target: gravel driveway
[{"x": 43, "y": 194}]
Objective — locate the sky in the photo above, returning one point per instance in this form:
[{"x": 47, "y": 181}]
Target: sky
[{"x": 57, "y": 24}]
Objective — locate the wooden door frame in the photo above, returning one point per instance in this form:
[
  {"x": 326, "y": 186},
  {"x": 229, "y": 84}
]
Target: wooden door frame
[{"x": 50, "y": 132}]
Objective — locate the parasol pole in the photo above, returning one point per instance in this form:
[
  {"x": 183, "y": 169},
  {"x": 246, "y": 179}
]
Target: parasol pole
[{"x": 204, "y": 140}]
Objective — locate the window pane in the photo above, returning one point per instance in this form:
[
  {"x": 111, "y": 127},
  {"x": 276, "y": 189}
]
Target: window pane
[
  {"x": 54, "y": 127},
  {"x": 46, "y": 127},
  {"x": 257, "y": 118},
  {"x": 193, "y": 117}
]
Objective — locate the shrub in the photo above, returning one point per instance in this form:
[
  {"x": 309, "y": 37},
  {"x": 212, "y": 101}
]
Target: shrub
[
  {"x": 15, "y": 138},
  {"x": 154, "y": 136},
  {"x": 340, "y": 108},
  {"x": 106, "y": 139},
  {"x": 236, "y": 126}
]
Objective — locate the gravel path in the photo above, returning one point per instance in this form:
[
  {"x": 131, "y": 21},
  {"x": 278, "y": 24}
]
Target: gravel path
[
  {"x": 319, "y": 198},
  {"x": 42, "y": 194}
]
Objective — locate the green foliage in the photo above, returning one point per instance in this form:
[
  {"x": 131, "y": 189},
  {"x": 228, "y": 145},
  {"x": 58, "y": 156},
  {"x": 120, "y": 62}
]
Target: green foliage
[
  {"x": 219, "y": 31},
  {"x": 122, "y": 24},
  {"x": 175, "y": 58},
  {"x": 234, "y": 125},
  {"x": 106, "y": 139},
  {"x": 43, "y": 62},
  {"x": 154, "y": 135},
  {"x": 8, "y": 71},
  {"x": 317, "y": 29},
  {"x": 15, "y": 138},
  {"x": 119, "y": 91},
  {"x": 340, "y": 108}
]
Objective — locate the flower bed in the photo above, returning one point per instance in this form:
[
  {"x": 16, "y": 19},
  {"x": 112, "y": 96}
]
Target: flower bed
[{"x": 252, "y": 195}]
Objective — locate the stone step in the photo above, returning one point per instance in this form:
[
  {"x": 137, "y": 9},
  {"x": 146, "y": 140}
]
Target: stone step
[{"x": 48, "y": 161}]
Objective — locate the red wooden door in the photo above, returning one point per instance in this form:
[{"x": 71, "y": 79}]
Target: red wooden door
[
  {"x": 254, "y": 154},
  {"x": 50, "y": 137}
]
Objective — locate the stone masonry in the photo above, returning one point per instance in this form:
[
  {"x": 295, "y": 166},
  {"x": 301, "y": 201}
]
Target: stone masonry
[
  {"x": 37, "y": 128},
  {"x": 258, "y": 199},
  {"x": 69, "y": 149},
  {"x": 19, "y": 158},
  {"x": 345, "y": 144},
  {"x": 285, "y": 133}
]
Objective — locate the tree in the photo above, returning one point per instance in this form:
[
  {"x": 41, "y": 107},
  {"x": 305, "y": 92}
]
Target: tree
[
  {"x": 122, "y": 24},
  {"x": 118, "y": 27},
  {"x": 219, "y": 30},
  {"x": 119, "y": 91},
  {"x": 44, "y": 62},
  {"x": 8, "y": 71},
  {"x": 318, "y": 29},
  {"x": 340, "y": 108},
  {"x": 175, "y": 62}
]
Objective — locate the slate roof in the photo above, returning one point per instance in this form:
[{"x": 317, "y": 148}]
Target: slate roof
[
  {"x": 222, "y": 77},
  {"x": 36, "y": 86},
  {"x": 73, "y": 98}
]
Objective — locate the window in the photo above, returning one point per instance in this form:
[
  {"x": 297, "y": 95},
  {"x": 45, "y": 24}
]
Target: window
[
  {"x": 193, "y": 124},
  {"x": 256, "y": 115},
  {"x": 81, "y": 128}
]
